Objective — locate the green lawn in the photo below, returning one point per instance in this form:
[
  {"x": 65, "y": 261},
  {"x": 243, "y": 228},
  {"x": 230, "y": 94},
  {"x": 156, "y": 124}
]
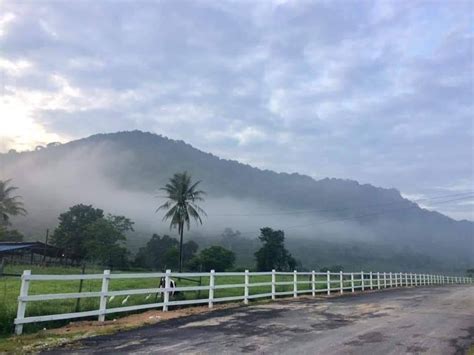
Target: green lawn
[{"x": 10, "y": 286}]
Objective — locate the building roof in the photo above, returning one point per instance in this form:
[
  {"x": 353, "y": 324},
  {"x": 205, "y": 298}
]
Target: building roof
[
  {"x": 35, "y": 247},
  {"x": 6, "y": 247}
]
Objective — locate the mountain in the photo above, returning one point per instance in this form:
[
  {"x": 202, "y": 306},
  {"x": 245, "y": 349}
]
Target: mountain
[{"x": 121, "y": 173}]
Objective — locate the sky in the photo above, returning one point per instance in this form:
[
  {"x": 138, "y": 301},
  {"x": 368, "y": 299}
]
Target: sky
[{"x": 381, "y": 92}]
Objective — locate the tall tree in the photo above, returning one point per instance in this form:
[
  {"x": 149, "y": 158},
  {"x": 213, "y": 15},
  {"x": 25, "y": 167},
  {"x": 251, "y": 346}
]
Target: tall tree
[
  {"x": 10, "y": 205},
  {"x": 161, "y": 253},
  {"x": 215, "y": 258},
  {"x": 85, "y": 233},
  {"x": 71, "y": 233},
  {"x": 182, "y": 195},
  {"x": 273, "y": 254}
]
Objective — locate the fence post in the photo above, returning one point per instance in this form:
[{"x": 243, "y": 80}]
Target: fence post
[
  {"x": 20, "y": 314},
  {"x": 401, "y": 279},
  {"x": 166, "y": 293},
  {"x": 352, "y": 282},
  {"x": 212, "y": 282},
  {"x": 103, "y": 297},
  {"x": 362, "y": 280},
  {"x": 378, "y": 280},
  {"x": 384, "y": 280},
  {"x": 341, "y": 282},
  {"x": 370, "y": 278},
  {"x": 273, "y": 284},
  {"x": 328, "y": 282},
  {"x": 313, "y": 283},
  {"x": 246, "y": 287},
  {"x": 295, "y": 284}
]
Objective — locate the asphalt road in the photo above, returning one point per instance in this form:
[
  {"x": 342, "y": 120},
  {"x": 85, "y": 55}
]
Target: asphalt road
[{"x": 433, "y": 320}]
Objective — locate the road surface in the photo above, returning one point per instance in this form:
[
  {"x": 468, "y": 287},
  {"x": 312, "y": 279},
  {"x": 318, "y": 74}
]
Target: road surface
[{"x": 433, "y": 320}]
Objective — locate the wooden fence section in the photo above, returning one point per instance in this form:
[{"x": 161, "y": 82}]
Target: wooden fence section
[{"x": 298, "y": 283}]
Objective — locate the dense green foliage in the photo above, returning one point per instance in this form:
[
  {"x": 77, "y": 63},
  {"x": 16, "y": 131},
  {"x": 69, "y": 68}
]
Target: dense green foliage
[
  {"x": 161, "y": 253},
  {"x": 10, "y": 235},
  {"x": 273, "y": 254},
  {"x": 85, "y": 234},
  {"x": 214, "y": 258},
  {"x": 181, "y": 205}
]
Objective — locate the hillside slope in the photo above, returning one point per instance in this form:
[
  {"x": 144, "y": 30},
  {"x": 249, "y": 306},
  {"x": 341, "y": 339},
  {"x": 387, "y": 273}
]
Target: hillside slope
[{"x": 122, "y": 171}]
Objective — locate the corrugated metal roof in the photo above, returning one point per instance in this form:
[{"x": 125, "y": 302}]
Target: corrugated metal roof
[{"x": 5, "y": 247}]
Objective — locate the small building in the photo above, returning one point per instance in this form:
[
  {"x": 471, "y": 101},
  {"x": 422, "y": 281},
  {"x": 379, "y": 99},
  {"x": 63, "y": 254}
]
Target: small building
[{"x": 30, "y": 253}]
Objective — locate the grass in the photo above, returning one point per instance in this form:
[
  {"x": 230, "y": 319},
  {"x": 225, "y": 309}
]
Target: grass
[{"x": 10, "y": 288}]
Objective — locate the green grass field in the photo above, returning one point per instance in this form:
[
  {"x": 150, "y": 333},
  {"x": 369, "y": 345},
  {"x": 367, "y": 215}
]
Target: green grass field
[{"x": 10, "y": 288}]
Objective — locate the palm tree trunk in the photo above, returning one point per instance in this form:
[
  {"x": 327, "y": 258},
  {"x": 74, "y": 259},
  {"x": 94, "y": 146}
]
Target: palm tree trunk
[{"x": 181, "y": 227}]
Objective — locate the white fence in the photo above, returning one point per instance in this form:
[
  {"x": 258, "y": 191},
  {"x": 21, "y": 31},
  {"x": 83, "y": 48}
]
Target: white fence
[{"x": 316, "y": 282}]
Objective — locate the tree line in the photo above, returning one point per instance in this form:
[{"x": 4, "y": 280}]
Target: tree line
[{"x": 87, "y": 234}]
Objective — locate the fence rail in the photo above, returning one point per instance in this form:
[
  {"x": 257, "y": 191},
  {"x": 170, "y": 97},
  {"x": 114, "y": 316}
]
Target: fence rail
[{"x": 330, "y": 281}]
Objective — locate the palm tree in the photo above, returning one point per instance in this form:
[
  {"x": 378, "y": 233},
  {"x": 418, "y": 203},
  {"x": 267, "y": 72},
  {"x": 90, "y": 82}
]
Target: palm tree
[
  {"x": 9, "y": 205},
  {"x": 182, "y": 195}
]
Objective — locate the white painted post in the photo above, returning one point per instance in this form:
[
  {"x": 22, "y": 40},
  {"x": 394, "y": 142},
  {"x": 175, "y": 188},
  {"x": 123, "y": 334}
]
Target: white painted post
[
  {"x": 411, "y": 279},
  {"x": 295, "y": 284},
  {"x": 20, "y": 313},
  {"x": 370, "y": 278},
  {"x": 341, "y": 282},
  {"x": 401, "y": 279},
  {"x": 103, "y": 297},
  {"x": 273, "y": 284},
  {"x": 362, "y": 280},
  {"x": 391, "y": 284},
  {"x": 406, "y": 279},
  {"x": 328, "y": 277},
  {"x": 246, "y": 287},
  {"x": 378, "y": 280},
  {"x": 352, "y": 282},
  {"x": 166, "y": 292},
  {"x": 384, "y": 280},
  {"x": 212, "y": 283},
  {"x": 313, "y": 283}
]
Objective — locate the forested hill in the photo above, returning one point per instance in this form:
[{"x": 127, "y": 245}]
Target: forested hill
[{"x": 138, "y": 162}]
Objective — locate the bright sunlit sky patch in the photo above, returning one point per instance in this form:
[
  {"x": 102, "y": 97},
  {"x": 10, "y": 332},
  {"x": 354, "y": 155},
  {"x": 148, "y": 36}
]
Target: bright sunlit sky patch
[{"x": 376, "y": 91}]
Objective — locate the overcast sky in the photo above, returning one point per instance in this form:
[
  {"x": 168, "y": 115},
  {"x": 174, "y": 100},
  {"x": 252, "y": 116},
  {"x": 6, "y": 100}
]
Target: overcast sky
[{"x": 380, "y": 92}]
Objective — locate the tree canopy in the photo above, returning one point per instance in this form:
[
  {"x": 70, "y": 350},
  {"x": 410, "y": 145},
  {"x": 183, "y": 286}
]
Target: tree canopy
[
  {"x": 214, "y": 258},
  {"x": 161, "y": 253},
  {"x": 181, "y": 205},
  {"x": 273, "y": 254},
  {"x": 85, "y": 234}
]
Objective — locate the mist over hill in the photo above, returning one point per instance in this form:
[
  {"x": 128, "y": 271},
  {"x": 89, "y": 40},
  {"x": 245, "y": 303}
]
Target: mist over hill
[{"x": 122, "y": 172}]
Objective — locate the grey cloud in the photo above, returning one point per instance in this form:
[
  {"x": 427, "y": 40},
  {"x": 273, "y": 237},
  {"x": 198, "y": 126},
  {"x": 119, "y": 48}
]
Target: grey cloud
[{"x": 378, "y": 92}]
